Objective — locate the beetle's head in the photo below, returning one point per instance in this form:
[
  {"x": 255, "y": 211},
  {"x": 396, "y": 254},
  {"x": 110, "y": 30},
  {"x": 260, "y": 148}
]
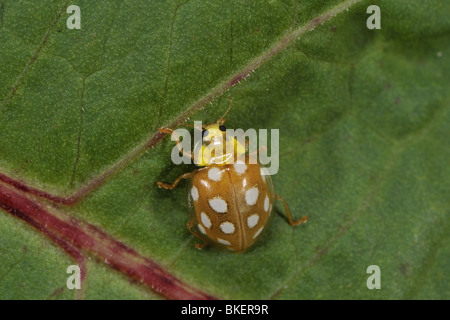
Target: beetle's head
[{"x": 217, "y": 147}]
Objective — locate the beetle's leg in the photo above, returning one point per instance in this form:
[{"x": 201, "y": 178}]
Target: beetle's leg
[
  {"x": 289, "y": 214},
  {"x": 190, "y": 226},
  {"x": 177, "y": 180},
  {"x": 176, "y": 138}
]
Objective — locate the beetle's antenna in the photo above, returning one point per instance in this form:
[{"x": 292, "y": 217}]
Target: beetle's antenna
[
  {"x": 218, "y": 122},
  {"x": 222, "y": 119}
]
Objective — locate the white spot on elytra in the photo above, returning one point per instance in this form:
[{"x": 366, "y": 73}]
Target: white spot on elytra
[
  {"x": 218, "y": 204},
  {"x": 252, "y": 220},
  {"x": 194, "y": 193},
  {"x": 240, "y": 167},
  {"x": 251, "y": 195},
  {"x": 205, "y": 220},
  {"x": 214, "y": 174},
  {"x": 227, "y": 227},
  {"x": 258, "y": 232},
  {"x": 223, "y": 241},
  {"x": 266, "y": 204},
  {"x": 202, "y": 230}
]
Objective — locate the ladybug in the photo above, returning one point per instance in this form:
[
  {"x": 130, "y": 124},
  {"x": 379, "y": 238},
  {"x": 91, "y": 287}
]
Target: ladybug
[{"x": 229, "y": 198}]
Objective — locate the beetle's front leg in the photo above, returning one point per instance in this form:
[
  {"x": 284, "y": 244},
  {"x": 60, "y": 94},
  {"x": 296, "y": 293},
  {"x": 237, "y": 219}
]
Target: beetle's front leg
[
  {"x": 176, "y": 138},
  {"x": 175, "y": 183}
]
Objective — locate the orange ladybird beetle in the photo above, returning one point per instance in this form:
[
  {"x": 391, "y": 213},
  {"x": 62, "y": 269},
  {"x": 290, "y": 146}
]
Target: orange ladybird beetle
[{"x": 230, "y": 200}]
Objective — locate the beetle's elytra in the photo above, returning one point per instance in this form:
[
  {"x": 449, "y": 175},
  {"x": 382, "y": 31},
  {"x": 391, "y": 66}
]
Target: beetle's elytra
[{"x": 230, "y": 200}]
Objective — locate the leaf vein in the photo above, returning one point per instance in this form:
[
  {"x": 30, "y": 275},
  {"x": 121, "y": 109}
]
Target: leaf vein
[
  {"x": 221, "y": 88},
  {"x": 33, "y": 58}
]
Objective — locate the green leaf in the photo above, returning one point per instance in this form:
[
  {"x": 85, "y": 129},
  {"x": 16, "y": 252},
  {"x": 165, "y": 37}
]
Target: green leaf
[{"x": 364, "y": 124}]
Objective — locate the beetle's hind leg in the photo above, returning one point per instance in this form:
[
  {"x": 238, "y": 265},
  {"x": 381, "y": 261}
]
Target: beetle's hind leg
[
  {"x": 289, "y": 214},
  {"x": 190, "y": 226}
]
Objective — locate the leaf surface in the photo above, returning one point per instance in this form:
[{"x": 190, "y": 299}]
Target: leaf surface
[{"x": 364, "y": 124}]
